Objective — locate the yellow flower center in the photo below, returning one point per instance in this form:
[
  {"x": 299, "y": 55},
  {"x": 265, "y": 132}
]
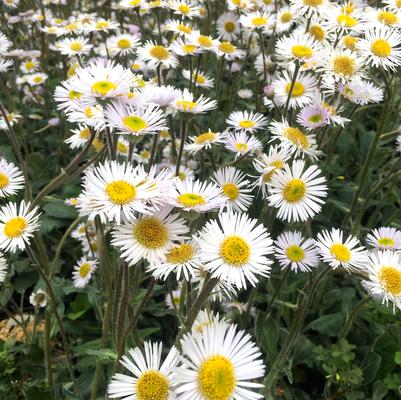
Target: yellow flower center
[
  {"x": 15, "y": 227},
  {"x": 226, "y": 47},
  {"x": 295, "y": 136},
  {"x": 186, "y": 105},
  {"x": 297, "y": 90},
  {"x": 259, "y": 21},
  {"x": 103, "y": 87},
  {"x": 71, "y": 71},
  {"x": 152, "y": 385},
  {"x": 180, "y": 254},
  {"x": 4, "y": 181},
  {"x": 102, "y": 25},
  {"x": 144, "y": 154},
  {"x": 151, "y": 233},
  {"x": 398, "y": 3},
  {"x": 30, "y": 65},
  {"x": 184, "y": 28},
  {"x": 120, "y": 192},
  {"x": 381, "y": 48},
  {"x": 295, "y": 253},
  {"x": 246, "y": 124},
  {"x": 231, "y": 191},
  {"x": 268, "y": 176},
  {"x": 200, "y": 79},
  {"x": 386, "y": 242},
  {"x": 205, "y": 137},
  {"x": 84, "y": 134},
  {"x": 37, "y": 79},
  {"x": 235, "y": 250},
  {"x": 191, "y": 200},
  {"x": 346, "y": 20},
  {"x": 134, "y": 123},
  {"x": 294, "y": 190},
  {"x": 121, "y": 147},
  {"x": 184, "y": 9},
  {"x": 340, "y": 252},
  {"x": 350, "y": 42},
  {"x": 159, "y": 52},
  {"x": 313, "y": 3},
  {"x": 286, "y": 17},
  {"x": 97, "y": 144},
  {"x": 89, "y": 112},
  {"x": 188, "y": 48},
  {"x": 301, "y": 51},
  {"x": 76, "y": 46},
  {"x": 84, "y": 270},
  {"x": 216, "y": 378},
  {"x": 241, "y": 147},
  {"x": 72, "y": 94},
  {"x": 317, "y": 32},
  {"x": 344, "y": 65},
  {"x": 390, "y": 278},
  {"x": 229, "y": 26},
  {"x": 387, "y": 18},
  {"x": 124, "y": 43},
  {"x": 205, "y": 41}
]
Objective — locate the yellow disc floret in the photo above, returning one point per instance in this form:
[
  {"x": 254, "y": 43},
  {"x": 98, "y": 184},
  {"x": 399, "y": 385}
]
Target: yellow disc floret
[
  {"x": 152, "y": 385},
  {"x": 151, "y": 233},
  {"x": 15, "y": 227},
  {"x": 340, "y": 252},
  {"x": 390, "y": 278},
  {"x": 120, "y": 192},
  {"x": 235, "y": 250},
  {"x": 190, "y": 200},
  {"x": 294, "y": 190},
  {"x": 295, "y": 253},
  {"x": 180, "y": 254}
]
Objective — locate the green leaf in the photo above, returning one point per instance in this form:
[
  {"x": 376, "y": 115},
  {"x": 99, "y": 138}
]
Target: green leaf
[
  {"x": 58, "y": 209},
  {"x": 329, "y": 324},
  {"x": 379, "y": 390},
  {"x": 102, "y": 354},
  {"x": 397, "y": 357}
]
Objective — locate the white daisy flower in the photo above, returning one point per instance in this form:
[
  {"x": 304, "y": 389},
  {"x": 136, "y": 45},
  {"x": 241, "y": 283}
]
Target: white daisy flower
[
  {"x": 298, "y": 194},
  {"x": 336, "y": 252},
  {"x": 228, "y": 26},
  {"x": 310, "y": 7},
  {"x": 234, "y": 249},
  {"x": 361, "y": 92},
  {"x": 162, "y": 96},
  {"x": 298, "y": 47},
  {"x": 74, "y": 46},
  {"x": 246, "y": 121},
  {"x": 206, "y": 318},
  {"x": 187, "y": 104},
  {"x": 123, "y": 44},
  {"x": 5, "y": 64},
  {"x": 184, "y": 9},
  {"x": 343, "y": 65},
  {"x": 151, "y": 379},
  {"x": 79, "y": 137},
  {"x": 219, "y": 363},
  {"x": 11, "y": 178},
  {"x": 154, "y": 55},
  {"x": 17, "y": 225},
  {"x": 228, "y": 51},
  {"x": 83, "y": 272},
  {"x": 204, "y": 140},
  {"x": 38, "y": 299},
  {"x": 3, "y": 268},
  {"x": 240, "y": 143},
  {"x": 174, "y": 297},
  {"x": 36, "y": 79},
  {"x": 179, "y": 27},
  {"x": 204, "y": 42},
  {"x": 256, "y": 21},
  {"x": 101, "y": 25},
  {"x": 235, "y": 187},
  {"x": 294, "y": 251},
  {"x": 385, "y": 238},
  {"x": 382, "y": 17},
  {"x": 150, "y": 237},
  {"x": 199, "y": 79},
  {"x": 285, "y": 19},
  {"x": 5, "y": 44}
]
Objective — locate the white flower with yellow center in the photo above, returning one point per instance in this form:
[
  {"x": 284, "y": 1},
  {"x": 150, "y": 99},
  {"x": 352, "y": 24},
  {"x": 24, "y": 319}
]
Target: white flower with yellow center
[
  {"x": 385, "y": 238},
  {"x": 228, "y": 26},
  {"x": 83, "y": 271},
  {"x": 5, "y": 44},
  {"x": 343, "y": 65},
  {"x": 299, "y": 143},
  {"x": 246, "y": 121},
  {"x": 204, "y": 140},
  {"x": 336, "y": 251},
  {"x": 65, "y": 96},
  {"x": 393, "y": 4},
  {"x": 195, "y": 195},
  {"x": 132, "y": 4},
  {"x": 382, "y": 17},
  {"x": 256, "y": 21},
  {"x": 362, "y": 92},
  {"x": 101, "y": 25},
  {"x": 29, "y": 66},
  {"x": 310, "y": 7},
  {"x": 235, "y": 187},
  {"x": 122, "y": 147},
  {"x": 162, "y": 96},
  {"x": 122, "y": 44},
  {"x": 384, "y": 277},
  {"x": 101, "y": 79},
  {"x": 198, "y": 78},
  {"x": 5, "y": 64},
  {"x": 17, "y": 225},
  {"x": 186, "y": 103},
  {"x": 206, "y": 318},
  {"x": 129, "y": 120},
  {"x": 204, "y": 42},
  {"x": 150, "y": 379},
  {"x": 381, "y": 47},
  {"x": 38, "y": 298},
  {"x": 84, "y": 230},
  {"x": 219, "y": 363},
  {"x": 286, "y": 17},
  {"x": 172, "y": 299},
  {"x": 115, "y": 191},
  {"x": 184, "y": 47},
  {"x": 301, "y": 92},
  {"x": 11, "y": 178},
  {"x": 86, "y": 113},
  {"x": 179, "y": 27},
  {"x": 3, "y": 268},
  {"x": 301, "y": 48},
  {"x": 155, "y": 54},
  {"x": 79, "y": 137},
  {"x": 184, "y": 9},
  {"x": 182, "y": 260},
  {"x": 337, "y": 19},
  {"x": 298, "y": 194},
  {"x": 150, "y": 237},
  {"x": 234, "y": 249},
  {"x": 240, "y": 143},
  {"x": 295, "y": 252},
  {"x": 73, "y": 47},
  {"x": 36, "y": 79},
  {"x": 228, "y": 51}
]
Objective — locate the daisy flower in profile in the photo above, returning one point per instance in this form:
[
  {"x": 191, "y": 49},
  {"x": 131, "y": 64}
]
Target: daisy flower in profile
[
  {"x": 240, "y": 143},
  {"x": 79, "y": 137},
  {"x": 38, "y": 299},
  {"x": 299, "y": 143},
  {"x": 235, "y": 187},
  {"x": 384, "y": 277},
  {"x": 229, "y": 51},
  {"x": 246, "y": 121},
  {"x": 219, "y": 363},
  {"x": 187, "y": 104},
  {"x": 101, "y": 25},
  {"x": 297, "y": 193},
  {"x": 385, "y": 238},
  {"x": 150, "y": 237},
  {"x": 310, "y": 7},
  {"x": 313, "y": 116},
  {"x": 36, "y": 79},
  {"x": 74, "y": 46},
  {"x": 3, "y": 268},
  {"x": 154, "y": 54},
  {"x": 336, "y": 251},
  {"x": 199, "y": 79},
  {"x": 122, "y": 44},
  {"x": 381, "y": 47},
  {"x": 195, "y": 195},
  {"x": 178, "y": 27},
  {"x": 150, "y": 379},
  {"x": 162, "y": 96},
  {"x": 228, "y": 26},
  {"x": 234, "y": 249},
  {"x": 256, "y": 20},
  {"x": 11, "y": 178},
  {"x": 298, "y": 47},
  {"x": 204, "y": 140},
  {"x": 183, "y": 9},
  {"x": 183, "y": 260},
  {"x": 294, "y": 251},
  {"x": 183, "y": 47},
  {"x": 5, "y": 64},
  {"x": 361, "y": 92},
  {"x": 115, "y": 191},
  {"x": 17, "y": 225},
  {"x": 5, "y": 44},
  {"x": 205, "y": 43},
  {"x": 130, "y": 120},
  {"x": 83, "y": 272},
  {"x": 206, "y": 318}
]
